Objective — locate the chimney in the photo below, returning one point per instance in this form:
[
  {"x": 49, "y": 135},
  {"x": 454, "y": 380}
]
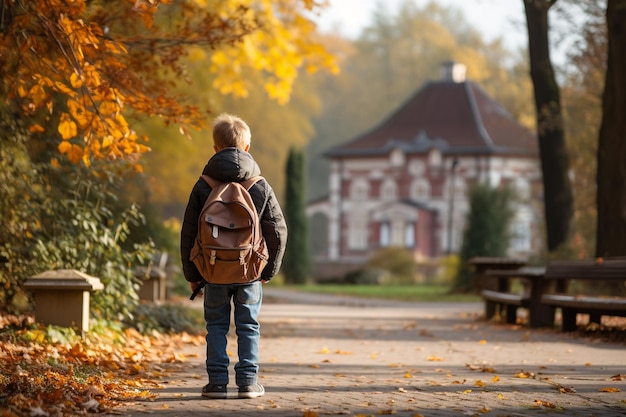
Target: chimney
[{"x": 453, "y": 72}]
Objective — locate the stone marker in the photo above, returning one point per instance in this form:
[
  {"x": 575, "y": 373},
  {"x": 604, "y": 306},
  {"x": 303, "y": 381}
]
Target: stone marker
[{"x": 62, "y": 297}]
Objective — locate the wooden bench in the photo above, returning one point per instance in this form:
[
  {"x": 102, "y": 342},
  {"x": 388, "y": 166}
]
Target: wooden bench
[
  {"x": 509, "y": 301},
  {"x": 528, "y": 295},
  {"x": 596, "y": 306}
]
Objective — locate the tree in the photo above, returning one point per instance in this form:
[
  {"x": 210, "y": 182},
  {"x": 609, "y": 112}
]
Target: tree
[
  {"x": 582, "y": 110},
  {"x": 296, "y": 263},
  {"x": 75, "y": 79},
  {"x": 611, "y": 175},
  {"x": 487, "y": 229},
  {"x": 558, "y": 199},
  {"x": 79, "y": 70}
]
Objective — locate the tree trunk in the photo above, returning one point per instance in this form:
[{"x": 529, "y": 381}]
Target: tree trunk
[
  {"x": 611, "y": 175},
  {"x": 558, "y": 199}
]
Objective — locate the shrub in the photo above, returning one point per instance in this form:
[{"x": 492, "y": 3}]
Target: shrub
[{"x": 398, "y": 263}]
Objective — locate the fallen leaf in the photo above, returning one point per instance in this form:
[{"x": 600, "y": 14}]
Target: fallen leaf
[
  {"x": 541, "y": 403},
  {"x": 480, "y": 383},
  {"x": 524, "y": 374},
  {"x": 426, "y": 333},
  {"x": 496, "y": 378},
  {"x": 609, "y": 389},
  {"x": 434, "y": 359}
]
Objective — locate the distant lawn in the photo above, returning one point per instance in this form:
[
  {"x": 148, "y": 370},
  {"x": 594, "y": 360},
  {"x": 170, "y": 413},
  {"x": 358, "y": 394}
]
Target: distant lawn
[{"x": 418, "y": 292}]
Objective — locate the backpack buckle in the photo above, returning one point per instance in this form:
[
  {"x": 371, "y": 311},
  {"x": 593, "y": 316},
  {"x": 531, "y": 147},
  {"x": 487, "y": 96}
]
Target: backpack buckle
[
  {"x": 212, "y": 257},
  {"x": 242, "y": 259}
]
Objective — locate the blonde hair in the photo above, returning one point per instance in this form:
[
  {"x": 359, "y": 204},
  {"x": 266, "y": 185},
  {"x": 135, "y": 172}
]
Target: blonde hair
[{"x": 230, "y": 131}]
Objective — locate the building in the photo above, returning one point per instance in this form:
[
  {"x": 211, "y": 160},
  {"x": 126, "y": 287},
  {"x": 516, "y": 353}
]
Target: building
[{"x": 406, "y": 182}]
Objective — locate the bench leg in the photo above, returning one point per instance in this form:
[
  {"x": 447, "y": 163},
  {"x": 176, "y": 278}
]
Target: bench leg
[
  {"x": 490, "y": 309},
  {"x": 569, "y": 320},
  {"x": 595, "y": 318},
  {"x": 511, "y": 313}
]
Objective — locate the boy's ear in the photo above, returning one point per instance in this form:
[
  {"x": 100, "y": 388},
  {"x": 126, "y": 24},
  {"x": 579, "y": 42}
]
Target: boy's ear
[
  {"x": 247, "y": 148},
  {"x": 216, "y": 149}
]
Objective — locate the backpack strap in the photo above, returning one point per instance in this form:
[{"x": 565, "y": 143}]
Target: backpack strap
[
  {"x": 212, "y": 182},
  {"x": 249, "y": 183}
]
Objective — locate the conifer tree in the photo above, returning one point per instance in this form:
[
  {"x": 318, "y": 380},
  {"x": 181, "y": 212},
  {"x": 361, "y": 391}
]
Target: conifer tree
[
  {"x": 487, "y": 229},
  {"x": 296, "y": 262}
]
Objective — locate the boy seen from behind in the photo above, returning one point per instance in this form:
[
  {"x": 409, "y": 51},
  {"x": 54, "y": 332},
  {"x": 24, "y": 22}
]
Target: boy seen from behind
[{"x": 233, "y": 163}]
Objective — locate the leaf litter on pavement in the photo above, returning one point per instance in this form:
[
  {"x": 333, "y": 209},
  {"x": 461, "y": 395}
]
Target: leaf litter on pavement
[{"x": 97, "y": 373}]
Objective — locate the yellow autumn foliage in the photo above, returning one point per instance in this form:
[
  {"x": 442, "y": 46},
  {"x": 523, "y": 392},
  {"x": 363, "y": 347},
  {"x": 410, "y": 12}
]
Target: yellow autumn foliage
[{"x": 86, "y": 66}]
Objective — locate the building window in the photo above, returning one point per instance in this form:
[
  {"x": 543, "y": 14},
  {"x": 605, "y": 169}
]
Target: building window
[
  {"x": 359, "y": 189},
  {"x": 522, "y": 188},
  {"x": 420, "y": 190},
  {"x": 397, "y": 233},
  {"x": 389, "y": 190},
  {"x": 521, "y": 232},
  {"x": 357, "y": 233},
  {"x": 385, "y": 235},
  {"x": 434, "y": 158},
  {"x": 409, "y": 235},
  {"x": 396, "y": 159}
]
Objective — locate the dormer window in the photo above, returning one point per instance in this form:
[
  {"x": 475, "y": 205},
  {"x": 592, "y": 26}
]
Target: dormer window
[
  {"x": 434, "y": 158},
  {"x": 396, "y": 158}
]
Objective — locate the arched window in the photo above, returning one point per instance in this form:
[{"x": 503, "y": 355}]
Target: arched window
[
  {"x": 359, "y": 189},
  {"x": 434, "y": 158},
  {"x": 389, "y": 190},
  {"x": 396, "y": 158},
  {"x": 420, "y": 190}
]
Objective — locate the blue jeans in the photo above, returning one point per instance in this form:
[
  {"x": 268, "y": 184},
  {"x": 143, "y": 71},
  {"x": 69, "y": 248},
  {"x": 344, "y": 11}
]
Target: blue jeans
[{"x": 217, "y": 307}]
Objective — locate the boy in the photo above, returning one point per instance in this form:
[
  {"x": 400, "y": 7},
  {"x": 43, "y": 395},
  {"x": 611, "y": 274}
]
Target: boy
[{"x": 232, "y": 162}]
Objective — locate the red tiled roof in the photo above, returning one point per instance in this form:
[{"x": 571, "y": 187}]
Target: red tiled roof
[{"x": 457, "y": 118}]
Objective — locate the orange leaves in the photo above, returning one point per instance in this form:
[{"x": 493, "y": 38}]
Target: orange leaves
[
  {"x": 609, "y": 389},
  {"x": 99, "y": 64},
  {"x": 94, "y": 374}
]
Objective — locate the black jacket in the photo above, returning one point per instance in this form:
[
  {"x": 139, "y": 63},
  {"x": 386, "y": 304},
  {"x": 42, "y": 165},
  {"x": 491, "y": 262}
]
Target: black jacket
[{"x": 228, "y": 165}]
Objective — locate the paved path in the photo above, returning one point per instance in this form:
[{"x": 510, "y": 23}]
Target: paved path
[{"x": 340, "y": 356}]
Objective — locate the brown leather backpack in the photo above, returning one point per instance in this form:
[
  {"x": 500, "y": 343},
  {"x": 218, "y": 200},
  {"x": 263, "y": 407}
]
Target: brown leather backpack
[{"x": 229, "y": 247}]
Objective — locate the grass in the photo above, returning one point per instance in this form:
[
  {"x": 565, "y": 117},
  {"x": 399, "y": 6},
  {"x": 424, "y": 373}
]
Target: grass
[{"x": 419, "y": 292}]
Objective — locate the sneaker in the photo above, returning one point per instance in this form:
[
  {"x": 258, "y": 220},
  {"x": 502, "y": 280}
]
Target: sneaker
[
  {"x": 251, "y": 391},
  {"x": 214, "y": 391}
]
